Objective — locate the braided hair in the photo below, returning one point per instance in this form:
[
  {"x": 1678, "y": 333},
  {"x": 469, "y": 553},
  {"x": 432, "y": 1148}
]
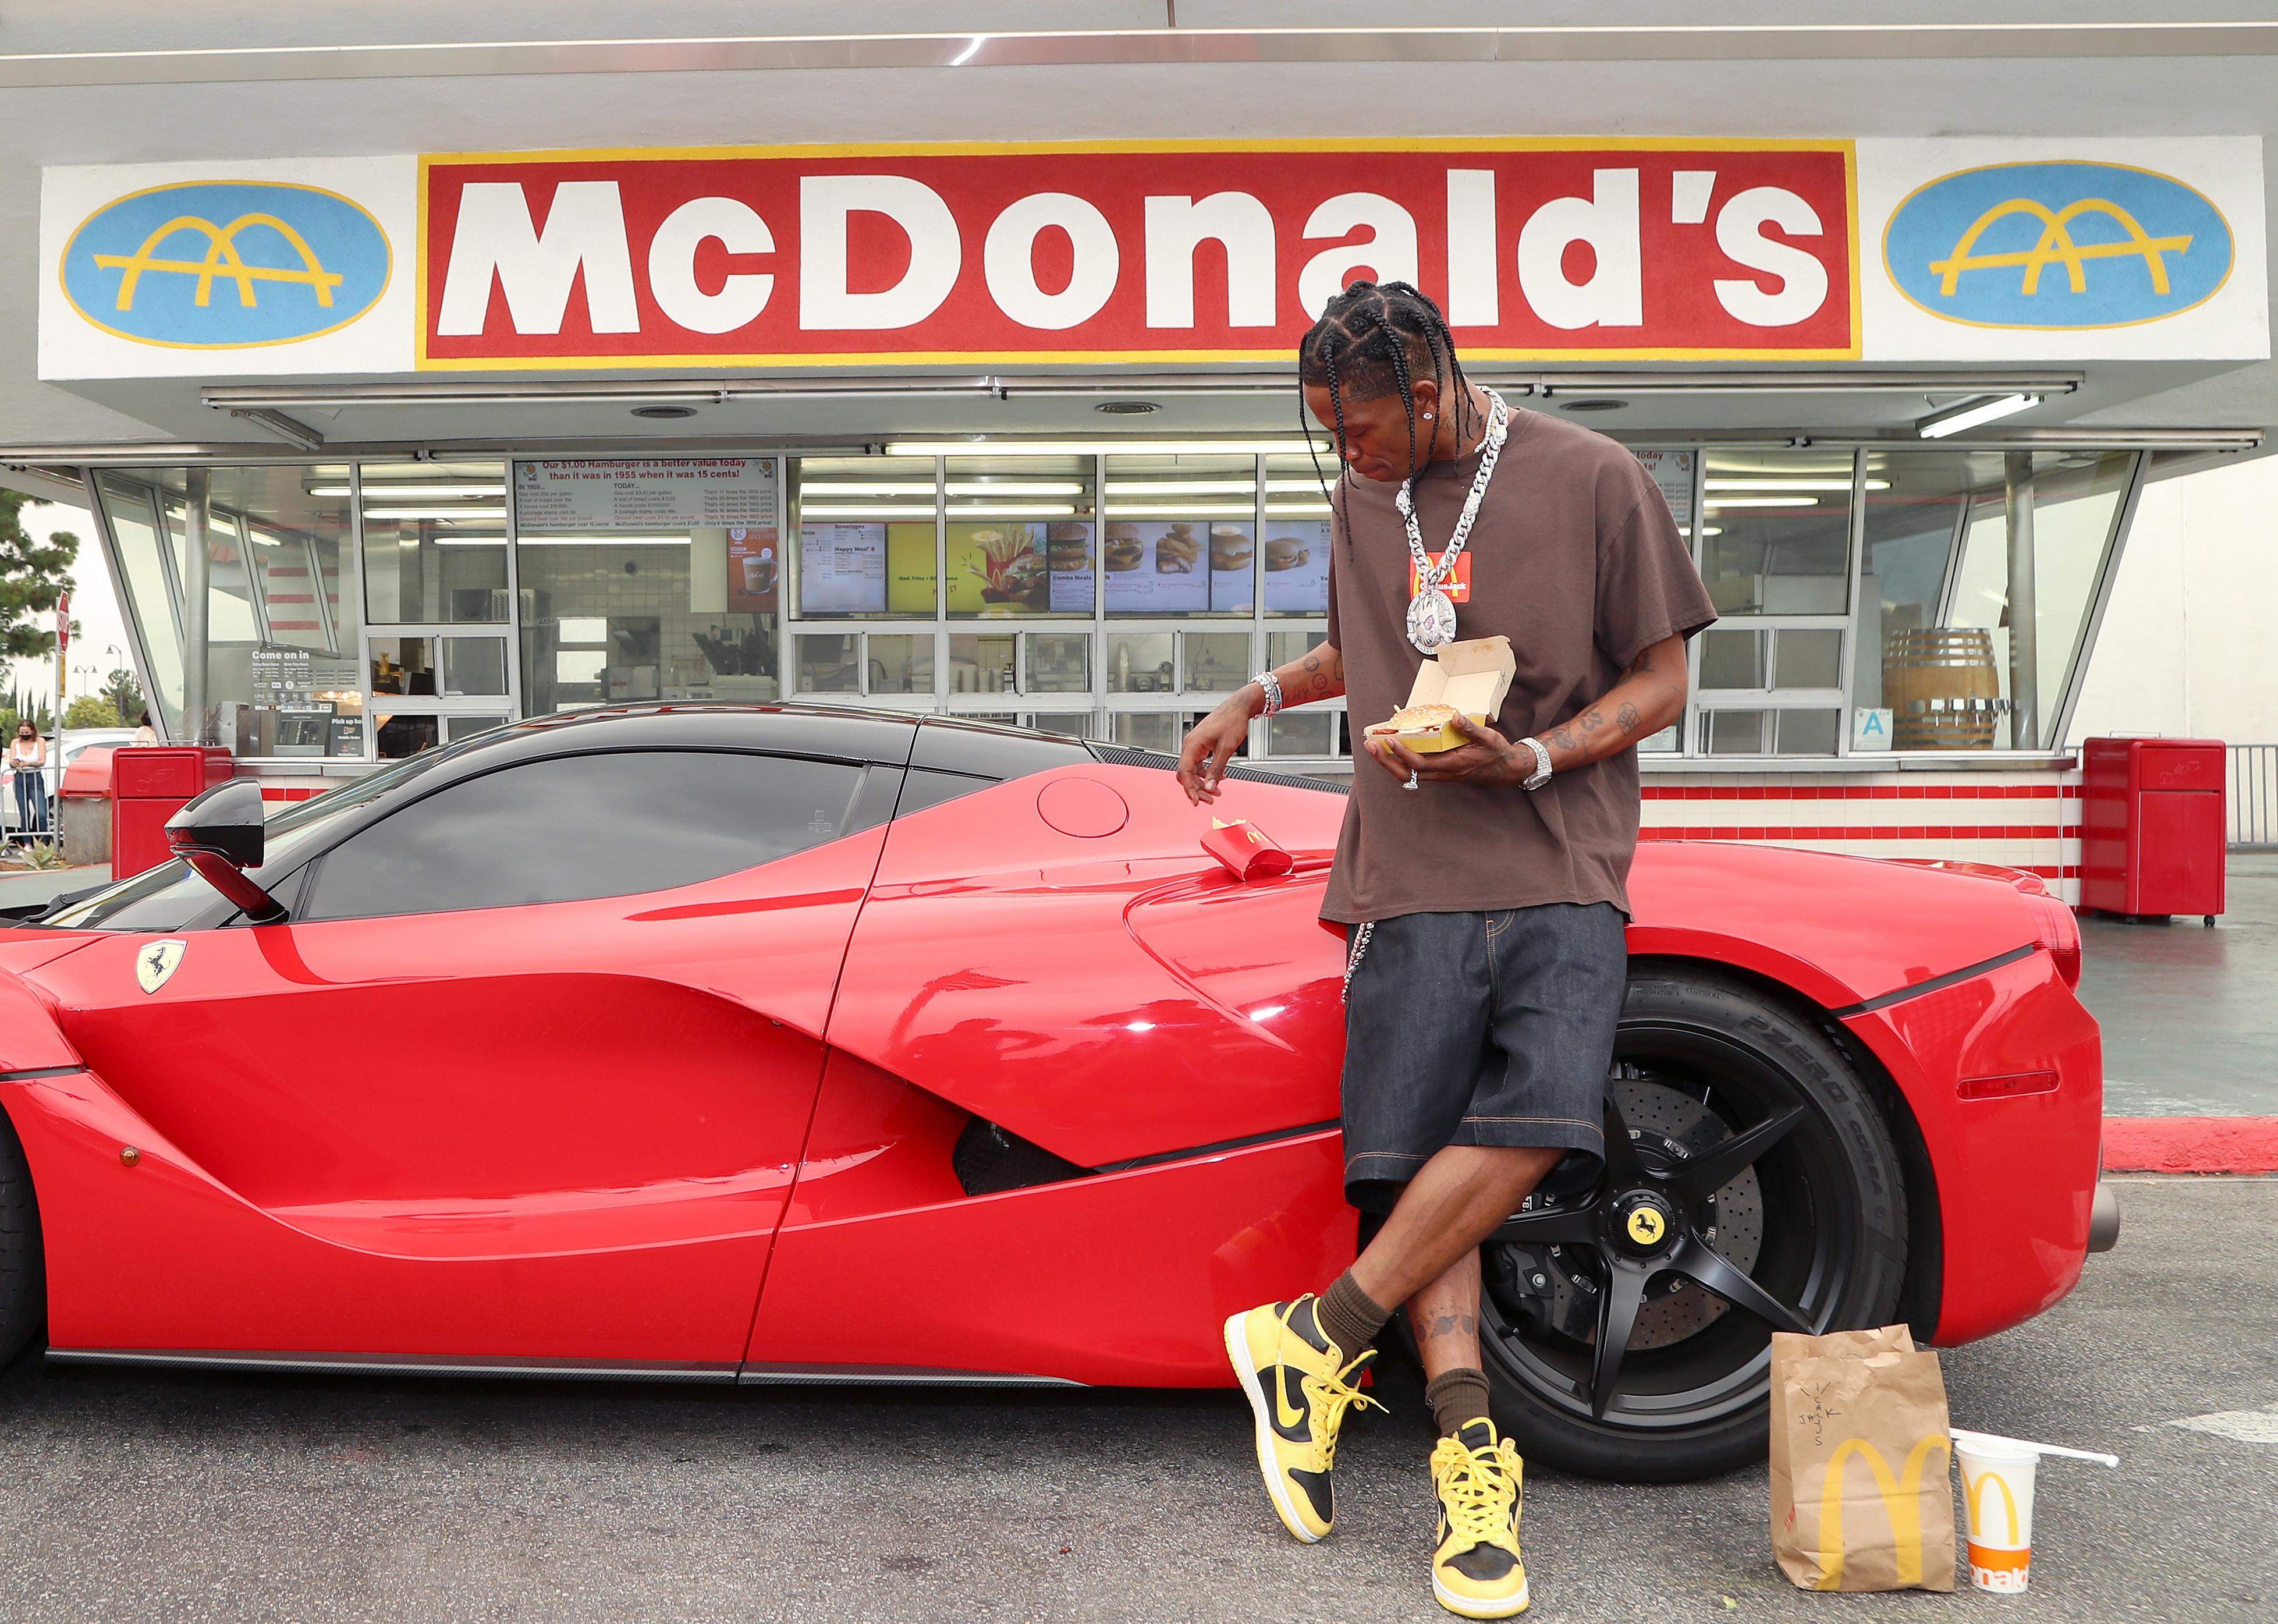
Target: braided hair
[{"x": 1372, "y": 340}]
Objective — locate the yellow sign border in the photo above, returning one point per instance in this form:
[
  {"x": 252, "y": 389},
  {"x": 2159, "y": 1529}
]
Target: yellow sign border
[{"x": 422, "y": 362}]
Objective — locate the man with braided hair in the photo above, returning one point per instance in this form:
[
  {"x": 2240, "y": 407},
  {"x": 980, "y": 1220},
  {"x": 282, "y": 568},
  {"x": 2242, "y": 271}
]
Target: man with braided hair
[{"x": 1482, "y": 889}]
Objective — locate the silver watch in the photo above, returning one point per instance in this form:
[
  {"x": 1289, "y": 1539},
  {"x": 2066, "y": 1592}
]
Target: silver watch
[{"x": 1540, "y": 776}]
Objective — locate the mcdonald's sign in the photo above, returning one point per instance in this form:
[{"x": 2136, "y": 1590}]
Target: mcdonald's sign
[
  {"x": 225, "y": 265},
  {"x": 1902, "y": 1503}
]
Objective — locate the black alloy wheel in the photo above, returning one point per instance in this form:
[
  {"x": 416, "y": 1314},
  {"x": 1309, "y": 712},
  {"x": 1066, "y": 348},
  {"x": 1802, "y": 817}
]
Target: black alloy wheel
[
  {"x": 23, "y": 1280},
  {"x": 1750, "y": 1185}
]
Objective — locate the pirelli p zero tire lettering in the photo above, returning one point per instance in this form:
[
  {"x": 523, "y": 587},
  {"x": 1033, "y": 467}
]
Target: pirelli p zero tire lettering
[
  {"x": 1716, "y": 1082},
  {"x": 23, "y": 1281}
]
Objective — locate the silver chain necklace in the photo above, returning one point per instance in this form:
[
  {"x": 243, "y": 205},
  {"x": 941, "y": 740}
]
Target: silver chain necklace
[{"x": 1431, "y": 613}]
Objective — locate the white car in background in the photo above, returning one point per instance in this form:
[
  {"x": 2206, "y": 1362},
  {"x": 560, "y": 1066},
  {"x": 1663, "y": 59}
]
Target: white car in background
[{"x": 62, "y": 751}]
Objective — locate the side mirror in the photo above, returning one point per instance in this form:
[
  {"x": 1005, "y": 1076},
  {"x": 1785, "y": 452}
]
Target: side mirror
[{"x": 221, "y": 834}]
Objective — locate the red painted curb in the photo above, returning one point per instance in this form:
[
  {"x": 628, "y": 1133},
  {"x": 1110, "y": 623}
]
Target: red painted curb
[{"x": 2190, "y": 1144}]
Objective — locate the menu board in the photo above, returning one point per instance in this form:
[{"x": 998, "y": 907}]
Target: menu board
[
  {"x": 1297, "y": 567},
  {"x": 1001, "y": 567},
  {"x": 1157, "y": 569},
  {"x": 753, "y": 561},
  {"x": 282, "y": 674},
  {"x": 1672, "y": 470},
  {"x": 616, "y": 495},
  {"x": 1234, "y": 568},
  {"x": 842, "y": 569}
]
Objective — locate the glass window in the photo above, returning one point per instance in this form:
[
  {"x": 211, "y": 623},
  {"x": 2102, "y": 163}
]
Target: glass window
[
  {"x": 1214, "y": 662},
  {"x": 1301, "y": 733},
  {"x": 1151, "y": 729},
  {"x": 1060, "y": 662},
  {"x": 1020, "y": 536},
  {"x": 1808, "y": 657},
  {"x": 980, "y": 663},
  {"x": 1071, "y": 725},
  {"x": 1736, "y": 732},
  {"x": 1775, "y": 530},
  {"x": 1283, "y": 647},
  {"x": 1937, "y": 645},
  {"x": 283, "y": 661},
  {"x": 899, "y": 664},
  {"x": 1140, "y": 663},
  {"x": 829, "y": 664},
  {"x": 1296, "y": 544},
  {"x": 530, "y": 833},
  {"x": 650, "y": 605},
  {"x": 1805, "y": 732},
  {"x": 434, "y": 543},
  {"x": 867, "y": 536},
  {"x": 1181, "y": 536},
  {"x": 1731, "y": 659},
  {"x": 922, "y": 788}
]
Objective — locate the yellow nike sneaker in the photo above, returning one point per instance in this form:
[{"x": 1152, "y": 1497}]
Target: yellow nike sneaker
[
  {"x": 1477, "y": 1573},
  {"x": 1299, "y": 1385}
]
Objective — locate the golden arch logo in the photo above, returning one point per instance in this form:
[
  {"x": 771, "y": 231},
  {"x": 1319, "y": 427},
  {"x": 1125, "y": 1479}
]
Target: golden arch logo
[
  {"x": 1980, "y": 247},
  {"x": 1902, "y": 1503},
  {"x": 287, "y": 262},
  {"x": 221, "y": 260},
  {"x": 2055, "y": 246}
]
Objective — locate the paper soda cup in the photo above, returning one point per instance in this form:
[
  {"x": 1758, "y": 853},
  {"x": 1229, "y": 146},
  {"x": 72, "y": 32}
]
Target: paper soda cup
[{"x": 1997, "y": 1492}]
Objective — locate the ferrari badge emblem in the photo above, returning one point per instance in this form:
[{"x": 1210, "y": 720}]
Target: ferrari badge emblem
[
  {"x": 156, "y": 963},
  {"x": 1647, "y": 1226}
]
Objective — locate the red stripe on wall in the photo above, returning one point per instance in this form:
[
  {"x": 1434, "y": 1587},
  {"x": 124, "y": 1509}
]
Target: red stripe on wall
[
  {"x": 1856, "y": 832},
  {"x": 1862, "y": 792}
]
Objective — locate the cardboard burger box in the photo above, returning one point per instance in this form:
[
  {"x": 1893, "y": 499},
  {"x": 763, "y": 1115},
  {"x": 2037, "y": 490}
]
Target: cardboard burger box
[{"x": 1468, "y": 678}]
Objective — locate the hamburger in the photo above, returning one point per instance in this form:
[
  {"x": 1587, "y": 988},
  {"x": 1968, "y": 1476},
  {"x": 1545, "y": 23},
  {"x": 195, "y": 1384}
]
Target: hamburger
[
  {"x": 1124, "y": 547},
  {"x": 1285, "y": 552},
  {"x": 1230, "y": 547},
  {"x": 1069, "y": 547},
  {"x": 1425, "y": 729},
  {"x": 1176, "y": 552}
]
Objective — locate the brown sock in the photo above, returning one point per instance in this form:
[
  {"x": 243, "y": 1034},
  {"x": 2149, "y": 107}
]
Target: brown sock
[
  {"x": 1350, "y": 1317},
  {"x": 1455, "y": 1397}
]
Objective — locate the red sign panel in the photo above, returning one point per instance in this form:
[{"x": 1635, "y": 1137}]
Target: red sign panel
[{"x": 789, "y": 256}]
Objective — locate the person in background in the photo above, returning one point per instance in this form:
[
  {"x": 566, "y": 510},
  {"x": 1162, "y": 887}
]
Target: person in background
[
  {"x": 144, "y": 733},
  {"x": 27, "y": 759}
]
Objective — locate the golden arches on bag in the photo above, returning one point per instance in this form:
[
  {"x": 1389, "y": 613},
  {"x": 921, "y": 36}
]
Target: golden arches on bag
[
  {"x": 1901, "y": 1500},
  {"x": 222, "y": 261},
  {"x": 2056, "y": 246}
]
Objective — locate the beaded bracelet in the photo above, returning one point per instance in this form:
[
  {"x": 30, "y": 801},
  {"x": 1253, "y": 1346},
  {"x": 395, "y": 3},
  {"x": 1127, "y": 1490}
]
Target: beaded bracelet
[{"x": 1272, "y": 684}]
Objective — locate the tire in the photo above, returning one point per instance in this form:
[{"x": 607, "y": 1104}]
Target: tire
[
  {"x": 23, "y": 1276},
  {"x": 1818, "y": 1220}
]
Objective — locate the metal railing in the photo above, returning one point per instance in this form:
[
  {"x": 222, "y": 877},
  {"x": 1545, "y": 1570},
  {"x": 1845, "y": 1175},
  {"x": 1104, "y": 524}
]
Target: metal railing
[{"x": 2253, "y": 797}]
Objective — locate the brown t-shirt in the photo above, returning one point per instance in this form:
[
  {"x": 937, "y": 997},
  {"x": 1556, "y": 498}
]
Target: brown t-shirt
[{"x": 1576, "y": 559}]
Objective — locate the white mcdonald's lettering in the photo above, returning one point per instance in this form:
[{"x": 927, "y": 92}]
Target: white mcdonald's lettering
[
  {"x": 1474, "y": 291},
  {"x": 1803, "y": 275},
  {"x": 1009, "y": 263},
  {"x": 1614, "y": 294},
  {"x": 1390, "y": 251},
  {"x": 1176, "y": 227},
  {"x": 937, "y": 252},
  {"x": 584, "y": 230},
  {"x": 736, "y": 226}
]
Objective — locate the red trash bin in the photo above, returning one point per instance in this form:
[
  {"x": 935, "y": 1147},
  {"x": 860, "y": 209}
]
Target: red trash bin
[
  {"x": 2154, "y": 828},
  {"x": 149, "y": 785}
]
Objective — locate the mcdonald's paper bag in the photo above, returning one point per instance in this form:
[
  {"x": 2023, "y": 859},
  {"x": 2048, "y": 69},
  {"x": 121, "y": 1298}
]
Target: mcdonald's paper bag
[{"x": 1860, "y": 1495}]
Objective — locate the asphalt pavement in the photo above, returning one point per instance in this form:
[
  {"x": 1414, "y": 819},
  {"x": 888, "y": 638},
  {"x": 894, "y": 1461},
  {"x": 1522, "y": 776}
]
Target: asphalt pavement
[{"x": 135, "y": 1496}]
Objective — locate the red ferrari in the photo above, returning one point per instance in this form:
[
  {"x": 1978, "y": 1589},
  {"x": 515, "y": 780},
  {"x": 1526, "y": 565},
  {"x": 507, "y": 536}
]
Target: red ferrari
[{"x": 722, "y": 1044}]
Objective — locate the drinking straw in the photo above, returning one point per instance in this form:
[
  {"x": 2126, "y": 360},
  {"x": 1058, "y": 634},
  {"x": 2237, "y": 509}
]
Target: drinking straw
[{"x": 1962, "y": 1435}]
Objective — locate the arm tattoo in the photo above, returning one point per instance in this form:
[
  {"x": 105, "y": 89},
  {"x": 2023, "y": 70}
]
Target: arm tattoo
[
  {"x": 1643, "y": 662},
  {"x": 1564, "y": 738},
  {"x": 1628, "y": 718},
  {"x": 1591, "y": 721}
]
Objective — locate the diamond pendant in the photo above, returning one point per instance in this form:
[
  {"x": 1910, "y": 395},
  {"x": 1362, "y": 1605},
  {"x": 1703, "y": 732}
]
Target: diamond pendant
[{"x": 1431, "y": 620}]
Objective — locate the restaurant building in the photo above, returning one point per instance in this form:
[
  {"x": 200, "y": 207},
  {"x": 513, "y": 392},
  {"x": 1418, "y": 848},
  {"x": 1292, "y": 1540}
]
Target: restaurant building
[{"x": 389, "y": 439}]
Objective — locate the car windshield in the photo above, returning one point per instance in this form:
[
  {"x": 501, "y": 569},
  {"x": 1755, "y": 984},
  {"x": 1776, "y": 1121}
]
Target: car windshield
[{"x": 168, "y": 897}]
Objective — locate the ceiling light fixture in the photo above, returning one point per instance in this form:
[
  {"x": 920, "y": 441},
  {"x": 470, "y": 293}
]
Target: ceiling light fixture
[
  {"x": 1718, "y": 482},
  {"x": 1759, "y": 501},
  {"x": 1287, "y": 445},
  {"x": 1968, "y": 414},
  {"x": 493, "y": 514}
]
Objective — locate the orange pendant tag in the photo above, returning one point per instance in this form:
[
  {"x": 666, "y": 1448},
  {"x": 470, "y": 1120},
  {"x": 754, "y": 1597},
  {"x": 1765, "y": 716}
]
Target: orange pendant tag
[{"x": 1457, "y": 587}]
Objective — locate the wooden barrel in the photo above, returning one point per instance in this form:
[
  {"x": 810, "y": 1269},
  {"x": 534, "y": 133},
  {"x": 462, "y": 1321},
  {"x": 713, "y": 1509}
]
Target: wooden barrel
[{"x": 1942, "y": 688}]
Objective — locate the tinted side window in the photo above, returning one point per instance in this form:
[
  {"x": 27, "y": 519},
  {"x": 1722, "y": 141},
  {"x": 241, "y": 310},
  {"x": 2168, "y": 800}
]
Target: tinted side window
[
  {"x": 922, "y": 789},
  {"x": 581, "y": 826}
]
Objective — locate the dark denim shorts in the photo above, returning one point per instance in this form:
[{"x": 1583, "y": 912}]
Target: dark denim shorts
[{"x": 1479, "y": 1029}]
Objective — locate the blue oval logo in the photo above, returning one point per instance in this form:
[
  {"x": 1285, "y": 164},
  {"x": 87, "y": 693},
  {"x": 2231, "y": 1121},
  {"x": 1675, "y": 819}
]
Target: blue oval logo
[
  {"x": 227, "y": 264},
  {"x": 2057, "y": 245}
]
